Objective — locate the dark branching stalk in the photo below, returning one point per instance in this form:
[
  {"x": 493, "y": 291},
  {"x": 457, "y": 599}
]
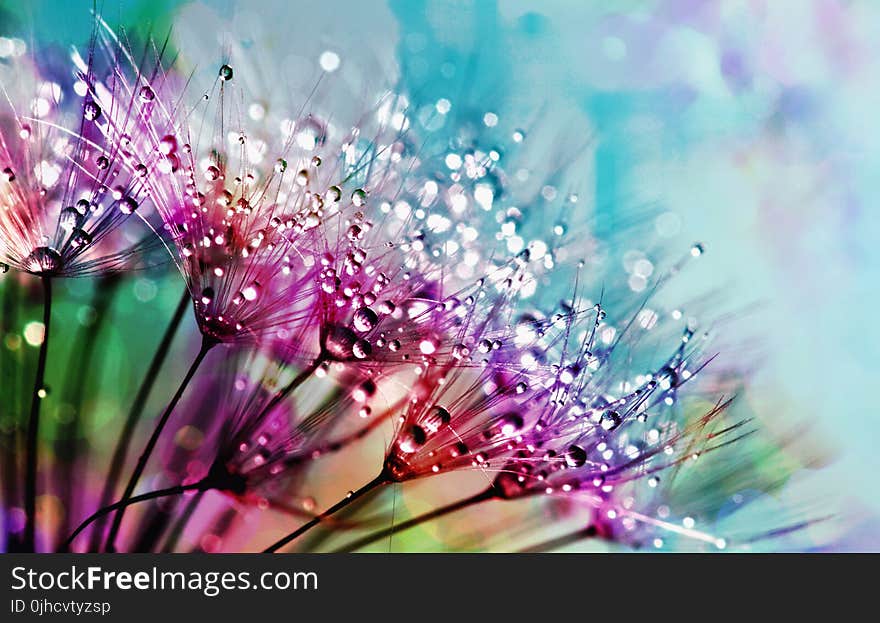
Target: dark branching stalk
[
  {"x": 482, "y": 496},
  {"x": 549, "y": 545},
  {"x": 378, "y": 481},
  {"x": 10, "y": 410},
  {"x": 120, "y": 452},
  {"x": 33, "y": 430},
  {"x": 207, "y": 345},
  {"x": 121, "y": 504},
  {"x": 177, "y": 529}
]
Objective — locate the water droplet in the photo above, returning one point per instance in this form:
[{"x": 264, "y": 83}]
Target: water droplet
[
  {"x": 460, "y": 351},
  {"x": 168, "y": 144},
  {"x": 9, "y": 174},
  {"x": 280, "y": 165},
  {"x": 226, "y": 72},
  {"x": 413, "y": 439},
  {"x": 80, "y": 238},
  {"x": 365, "y": 319},
  {"x": 102, "y": 162},
  {"x": 510, "y": 424},
  {"x": 251, "y": 292},
  {"x": 334, "y": 194},
  {"x": 212, "y": 173},
  {"x": 147, "y": 94},
  {"x": 697, "y": 250},
  {"x": 359, "y": 197},
  {"x": 207, "y": 295},
  {"x": 339, "y": 343},
  {"x": 361, "y": 349},
  {"x": 428, "y": 347},
  {"x": 127, "y": 205},
  {"x": 575, "y": 456},
  {"x": 610, "y": 420},
  {"x": 69, "y": 219},
  {"x": 437, "y": 418},
  {"x": 91, "y": 111},
  {"x": 43, "y": 260}
]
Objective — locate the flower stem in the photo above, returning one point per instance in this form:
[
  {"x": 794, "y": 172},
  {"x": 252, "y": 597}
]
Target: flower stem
[
  {"x": 561, "y": 541},
  {"x": 120, "y": 452},
  {"x": 207, "y": 344},
  {"x": 378, "y": 481},
  {"x": 298, "y": 380},
  {"x": 177, "y": 529},
  {"x": 482, "y": 496},
  {"x": 152, "y": 495},
  {"x": 30, "y": 482},
  {"x": 10, "y": 409}
]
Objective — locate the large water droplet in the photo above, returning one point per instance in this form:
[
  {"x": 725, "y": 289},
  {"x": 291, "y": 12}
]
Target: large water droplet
[
  {"x": 359, "y": 197},
  {"x": 365, "y": 319},
  {"x": 91, "y": 111},
  {"x": 226, "y": 72},
  {"x": 43, "y": 260},
  {"x": 412, "y": 439},
  {"x": 437, "y": 418},
  {"x": 69, "y": 219},
  {"x": 80, "y": 238},
  {"x": 575, "y": 456}
]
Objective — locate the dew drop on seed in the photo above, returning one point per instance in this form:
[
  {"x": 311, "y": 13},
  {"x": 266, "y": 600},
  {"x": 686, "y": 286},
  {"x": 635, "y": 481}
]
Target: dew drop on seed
[
  {"x": 226, "y": 72},
  {"x": 69, "y": 219},
  {"x": 437, "y": 418},
  {"x": 365, "y": 319},
  {"x": 147, "y": 94},
  {"x": 80, "y": 238},
  {"x": 413, "y": 439},
  {"x": 575, "y": 456},
  {"x": 359, "y": 197},
  {"x": 361, "y": 349},
  {"x": 91, "y": 111},
  {"x": 43, "y": 260}
]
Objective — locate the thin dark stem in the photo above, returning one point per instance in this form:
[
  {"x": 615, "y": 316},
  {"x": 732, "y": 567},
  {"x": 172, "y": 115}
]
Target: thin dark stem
[
  {"x": 152, "y": 495},
  {"x": 378, "y": 481},
  {"x": 561, "y": 541},
  {"x": 120, "y": 452},
  {"x": 300, "y": 378},
  {"x": 207, "y": 344},
  {"x": 478, "y": 498},
  {"x": 179, "y": 525},
  {"x": 30, "y": 482},
  {"x": 10, "y": 410}
]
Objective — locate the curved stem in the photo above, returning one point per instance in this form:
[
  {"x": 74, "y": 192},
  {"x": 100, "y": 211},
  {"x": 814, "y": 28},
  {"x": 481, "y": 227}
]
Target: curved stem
[
  {"x": 120, "y": 452},
  {"x": 152, "y": 495},
  {"x": 30, "y": 483},
  {"x": 379, "y": 480},
  {"x": 10, "y": 410},
  {"x": 207, "y": 344},
  {"x": 561, "y": 541},
  {"x": 177, "y": 530},
  {"x": 298, "y": 380},
  {"x": 482, "y": 496}
]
